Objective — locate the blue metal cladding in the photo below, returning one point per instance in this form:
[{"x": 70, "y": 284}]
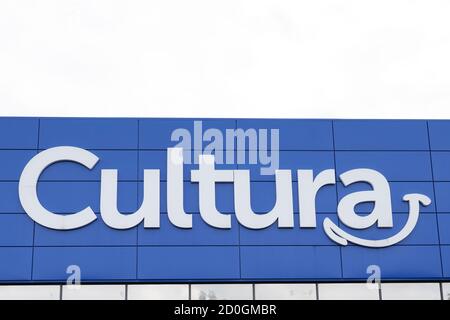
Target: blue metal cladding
[{"x": 413, "y": 155}]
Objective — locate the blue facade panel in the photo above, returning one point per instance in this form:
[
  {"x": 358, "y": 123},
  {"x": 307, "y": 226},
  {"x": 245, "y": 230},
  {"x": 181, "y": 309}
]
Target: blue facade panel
[
  {"x": 156, "y": 134},
  {"x": 441, "y": 169},
  {"x": 200, "y": 235},
  {"x": 9, "y": 201},
  {"x": 444, "y": 228},
  {"x": 289, "y": 236},
  {"x": 124, "y": 161},
  {"x": 414, "y": 156},
  {"x": 16, "y": 263},
  {"x": 395, "y": 165},
  {"x": 395, "y": 263},
  {"x": 16, "y": 230},
  {"x": 442, "y": 190},
  {"x": 19, "y": 133},
  {"x": 97, "y": 233},
  {"x": 95, "y": 263},
  {"x": 290, "y": 262},
  {"x": 13, "y": 162},
  {"x": 439, "y": 131},
  {"x": 89, "y": 133},
  {"x": 380, "y": 135},
  {"x": 298, "y": 134},
  {"x": 317, "y": 161},
  {"x": 188, "y": 263},
  {"x": 445, "y": 256}
]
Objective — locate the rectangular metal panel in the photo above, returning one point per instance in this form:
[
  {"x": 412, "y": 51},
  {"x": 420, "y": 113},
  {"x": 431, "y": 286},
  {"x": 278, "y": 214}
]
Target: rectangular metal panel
[{"x": 414, "y": 156}]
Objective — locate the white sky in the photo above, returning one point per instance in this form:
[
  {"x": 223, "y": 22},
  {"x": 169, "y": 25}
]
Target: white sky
[{"x": 343, "y": 59}]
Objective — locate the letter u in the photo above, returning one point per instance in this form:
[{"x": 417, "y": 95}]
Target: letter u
[
  {"x": 282, "y": 211},
  {"x": 149, "y": 210}
]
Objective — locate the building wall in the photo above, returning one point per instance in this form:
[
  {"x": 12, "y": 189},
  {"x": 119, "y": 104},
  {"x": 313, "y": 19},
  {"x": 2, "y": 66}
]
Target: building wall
[
  {"x": 413, "y": 155},
  {"x": 259, "y": 291}
]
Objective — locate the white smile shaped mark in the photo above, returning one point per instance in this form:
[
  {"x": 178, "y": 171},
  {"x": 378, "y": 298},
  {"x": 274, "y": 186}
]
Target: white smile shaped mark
[{"x": 342, "y": 237}]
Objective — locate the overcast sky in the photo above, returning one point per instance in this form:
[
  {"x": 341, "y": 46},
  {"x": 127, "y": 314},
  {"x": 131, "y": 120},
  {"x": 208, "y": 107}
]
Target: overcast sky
[{"x": 341, "y": 59}]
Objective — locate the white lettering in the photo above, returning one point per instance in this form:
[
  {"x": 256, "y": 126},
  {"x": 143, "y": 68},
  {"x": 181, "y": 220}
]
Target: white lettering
[
  {"x": 28, "y": 188},
  {"x": 207, "y": 178}
]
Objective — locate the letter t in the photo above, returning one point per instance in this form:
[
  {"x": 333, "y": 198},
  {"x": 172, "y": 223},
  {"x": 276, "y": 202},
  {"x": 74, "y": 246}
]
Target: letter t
[{"x": 207, "y": 177}]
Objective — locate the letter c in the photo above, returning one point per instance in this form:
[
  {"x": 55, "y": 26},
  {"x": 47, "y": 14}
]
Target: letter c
[{"x": 28, "y": 188}]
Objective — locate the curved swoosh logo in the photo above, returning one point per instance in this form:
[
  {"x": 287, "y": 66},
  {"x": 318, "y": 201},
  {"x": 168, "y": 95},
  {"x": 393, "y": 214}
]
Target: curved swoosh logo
[{"x": 342, "y": 237}]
